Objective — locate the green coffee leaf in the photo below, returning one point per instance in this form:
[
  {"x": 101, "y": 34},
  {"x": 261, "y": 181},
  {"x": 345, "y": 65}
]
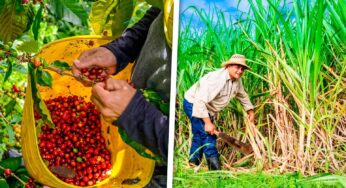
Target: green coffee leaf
[
  {"x": 164, "y": 108},
  {"x": 139, "y": 148},
  {"x": 111, "y": 15},
  {"x": 21, "y": 170},
  {"x": 16, "y": 118},
  {"x": 39, "y": 125},
  {"x": 44, "y": 78},
  {"x": 3, "y": 183},
  {"x": 9, "y": 70},
  {"x": 37, "y": 21},
  {"x": 39, "y": 104},
  {"x": 3, "y": 149},
  {"x": 154, "y": 98},
  {"x": 2, "y": 72},
  {"x": 21, "y": 174},
  {"x": 30, "y": 46},
  {"x": 60, "y": 65},
  {"x": 12, "y": 163},
  {"x": 11, "y": 134},
  {"x": 69, "y": 10},
  {"x": 2, "y": 3},
  {"x": 15, "y": 19},
  {"x": 19, "y": 68},
  {"x": 9, "y": 107}
]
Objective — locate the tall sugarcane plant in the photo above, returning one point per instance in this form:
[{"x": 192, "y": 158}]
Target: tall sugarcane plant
[{"x": 297, "y": 51}]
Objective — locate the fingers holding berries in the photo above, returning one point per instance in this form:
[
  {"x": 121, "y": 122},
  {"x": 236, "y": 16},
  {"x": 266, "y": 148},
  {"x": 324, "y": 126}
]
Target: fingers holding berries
[{"x": 95, "y": 64}]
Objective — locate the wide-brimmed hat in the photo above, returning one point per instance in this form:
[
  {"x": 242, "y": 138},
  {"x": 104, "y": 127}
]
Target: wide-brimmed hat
[{"x": 236, "y": 59}]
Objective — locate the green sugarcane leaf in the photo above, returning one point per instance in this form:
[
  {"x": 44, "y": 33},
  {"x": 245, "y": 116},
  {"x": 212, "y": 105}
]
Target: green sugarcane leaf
[
  {"x": 37, "y": 21},
  {"x": 12, "y": 163},
  {"x": 60, "y": 65},
  {"x": 9, "y": 107}
]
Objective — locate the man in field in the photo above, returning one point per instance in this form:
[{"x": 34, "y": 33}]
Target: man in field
[{"x": 207, "y": 97}]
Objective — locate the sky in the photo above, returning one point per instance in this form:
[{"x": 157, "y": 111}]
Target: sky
[
  {"x": 229, "y": 7},
  {"x": 225, "y": 5}
]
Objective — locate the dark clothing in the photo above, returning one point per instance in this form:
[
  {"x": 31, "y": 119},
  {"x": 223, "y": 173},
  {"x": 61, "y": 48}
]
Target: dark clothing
[
  {"x": 127, "y": 47},
  {"x": 153, "y": 67},
  {"x": 145, "y": 124},
  {"x": 142, "y": 121},
  {"x": 145, "y": 42},
  {"x": 202, "y": 142}
]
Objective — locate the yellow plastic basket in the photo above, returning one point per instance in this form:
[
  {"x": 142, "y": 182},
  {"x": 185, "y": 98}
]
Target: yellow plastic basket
[{"x": 129, "y": 169}]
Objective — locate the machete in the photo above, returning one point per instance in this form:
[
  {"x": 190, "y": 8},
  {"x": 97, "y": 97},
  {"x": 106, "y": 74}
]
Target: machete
[{"x": 244, "y": 148}]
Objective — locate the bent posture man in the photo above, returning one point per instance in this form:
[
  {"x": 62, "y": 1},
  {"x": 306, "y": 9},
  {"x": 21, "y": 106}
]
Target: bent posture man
[{"x": 207, "y": 97}]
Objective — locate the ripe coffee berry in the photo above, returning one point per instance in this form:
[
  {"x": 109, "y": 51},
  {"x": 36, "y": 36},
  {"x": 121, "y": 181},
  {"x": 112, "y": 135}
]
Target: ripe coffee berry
[
  {"x": 68, "y": 145},
  {"x": 96, "y": 74},
  {"x": 36, "y": 62},
  {"x": 15, "y": 88},
  {"x": 7, "y": 171}
]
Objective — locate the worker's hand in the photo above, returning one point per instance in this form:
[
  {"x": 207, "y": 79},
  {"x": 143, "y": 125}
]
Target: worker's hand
[
  {"x": 251, "y": 115},
  {"x": 96, "y": 57},
  {"x": 209, "y": 128},
  {"x": 112, "y": 97}
]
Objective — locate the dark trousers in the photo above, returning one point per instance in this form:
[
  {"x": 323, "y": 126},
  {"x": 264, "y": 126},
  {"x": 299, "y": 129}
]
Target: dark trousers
[{"x": 202, "y": 142}]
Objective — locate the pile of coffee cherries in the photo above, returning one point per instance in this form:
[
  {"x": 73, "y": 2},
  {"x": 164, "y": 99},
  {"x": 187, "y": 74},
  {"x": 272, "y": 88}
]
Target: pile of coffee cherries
[{"x": 76, "y": 142}]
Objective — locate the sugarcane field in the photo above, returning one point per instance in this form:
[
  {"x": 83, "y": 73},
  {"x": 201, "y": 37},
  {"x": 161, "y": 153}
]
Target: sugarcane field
[
  {"x": 172, "y": 93},
  {"x": 296, "y": 52}
]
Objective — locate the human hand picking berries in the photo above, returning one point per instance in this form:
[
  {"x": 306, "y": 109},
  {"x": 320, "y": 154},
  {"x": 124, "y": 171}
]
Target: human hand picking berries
[
  {"x": 112, "y": 97},
  {"x": 96, "y": 64}
]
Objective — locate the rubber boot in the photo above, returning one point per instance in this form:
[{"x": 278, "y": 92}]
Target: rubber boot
[
  {"x": 194, "y": 161},
  {"x": 213, "y": 163}
]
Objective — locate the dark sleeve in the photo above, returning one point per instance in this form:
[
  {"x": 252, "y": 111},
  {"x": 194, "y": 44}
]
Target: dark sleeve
[
  {"x": 146, "y": 125},
  {"x": 126, "y": 48}
]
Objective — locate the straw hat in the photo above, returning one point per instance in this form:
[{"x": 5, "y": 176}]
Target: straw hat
[{"x": 236, "y": 59}]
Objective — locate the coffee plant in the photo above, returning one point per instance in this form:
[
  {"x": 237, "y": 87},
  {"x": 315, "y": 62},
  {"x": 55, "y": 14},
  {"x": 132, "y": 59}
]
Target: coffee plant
[
  {"x": 25, "y": 26},
  {"x": 12, "y": 174}
]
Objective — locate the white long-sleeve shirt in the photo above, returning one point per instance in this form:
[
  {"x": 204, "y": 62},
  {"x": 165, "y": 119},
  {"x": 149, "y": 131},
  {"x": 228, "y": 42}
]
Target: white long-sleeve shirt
[{"x": 214, "y": 91}]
